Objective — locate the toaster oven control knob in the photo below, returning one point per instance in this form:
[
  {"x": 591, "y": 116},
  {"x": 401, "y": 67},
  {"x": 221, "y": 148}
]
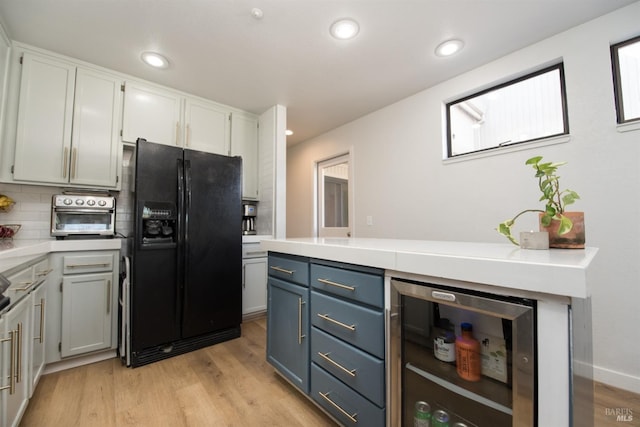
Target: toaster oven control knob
[
  {"x": 67, "y": 201},
  {"x": 91, "y": 202},
  {"x": 102, "y": 203},
  {"x": 79, "y": 202}
]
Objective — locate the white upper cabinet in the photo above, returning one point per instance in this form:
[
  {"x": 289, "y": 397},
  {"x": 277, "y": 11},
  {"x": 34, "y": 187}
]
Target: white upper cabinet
[
  {"x": 151, "y": 113},
  {"x": 206, "y": 127},
  {"x": 67, "y": 128},
  {"x": 169, "y": 118},
  {"x": 244, "y": 143}
]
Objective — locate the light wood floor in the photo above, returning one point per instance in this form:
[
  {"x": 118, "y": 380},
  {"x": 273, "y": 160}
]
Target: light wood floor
[{"x": 228, "y": 384}]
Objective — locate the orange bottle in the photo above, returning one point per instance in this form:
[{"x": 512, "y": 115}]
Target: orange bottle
[{"x": 468, "y": 360}]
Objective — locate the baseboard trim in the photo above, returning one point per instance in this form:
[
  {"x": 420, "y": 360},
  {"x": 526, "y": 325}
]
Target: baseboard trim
[
  {"x": 79, "y": 361},
  {"x": 616, "y": 379}
]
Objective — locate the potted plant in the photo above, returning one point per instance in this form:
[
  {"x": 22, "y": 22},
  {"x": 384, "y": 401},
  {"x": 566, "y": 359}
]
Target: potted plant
[{"x": 554, "y": 218}]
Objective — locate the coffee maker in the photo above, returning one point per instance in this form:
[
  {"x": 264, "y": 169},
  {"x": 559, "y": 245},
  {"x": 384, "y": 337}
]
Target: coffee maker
[{"x": 249, "y": 212}]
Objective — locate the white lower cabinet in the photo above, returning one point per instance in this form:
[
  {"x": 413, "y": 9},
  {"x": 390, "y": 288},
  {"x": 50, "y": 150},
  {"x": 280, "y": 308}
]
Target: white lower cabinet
[
  {"x": 14, "y": 363},
  {"x": 82, "y": 306},
  {"x": 38, "y": 334},
  {"x": 254, "y": 279}
]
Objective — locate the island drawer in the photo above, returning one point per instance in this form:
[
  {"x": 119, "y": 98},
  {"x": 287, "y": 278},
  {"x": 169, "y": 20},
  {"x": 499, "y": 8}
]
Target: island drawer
[
  {"x": 357, "y": 369},
  {"x": 357, "y": 325},
  {"x": 354, "y": 285},
  {"x": 292, "y": 269},
  {"x": 343, "y": 403}
]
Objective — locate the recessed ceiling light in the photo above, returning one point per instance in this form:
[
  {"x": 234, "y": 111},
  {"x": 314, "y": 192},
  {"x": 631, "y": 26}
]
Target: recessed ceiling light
[
  {"x": 344, "y": 29},
  {"x": 288, "y": 132},
  {"x": 154, "y": 59},
  {"x": 449, "y": 47}
]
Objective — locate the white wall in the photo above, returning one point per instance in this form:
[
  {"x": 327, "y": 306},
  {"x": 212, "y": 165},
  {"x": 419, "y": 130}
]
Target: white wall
[{"x": 401, "y": 180}]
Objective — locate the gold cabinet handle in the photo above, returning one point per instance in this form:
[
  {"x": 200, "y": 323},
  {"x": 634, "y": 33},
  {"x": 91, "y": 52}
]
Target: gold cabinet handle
[
  {"x": 65, "y": 160},
  {"x": 352, "y": 417},
  {"x": 108, "y": 296},
  {"x": 326, "y": 357},
  {"x": 300, "y": 334},
  {"x": 282, "y": 270},
  {"x": 263, "y": 253},
  {"x": 74, "y": 160},
  {"x": 19, "y": 355},
  {"x": 12, "y": 367},
  {"x": 44, "y": 272},
  {"x": 41, "y": 336},
  {"x": 87, "y": 265},
  {"x": 25, "y": 286},
  {"x": 188, "y": 137},
  {"x": 337, "y": 285},
  {"x": 177, "y": 133},
  {"x": 344, "y": 325}
]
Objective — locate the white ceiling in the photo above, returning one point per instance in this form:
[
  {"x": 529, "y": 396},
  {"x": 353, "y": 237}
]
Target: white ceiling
[{"x": 219, "y": 51}]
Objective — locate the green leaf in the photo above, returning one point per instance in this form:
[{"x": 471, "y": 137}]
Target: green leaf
[
  {"x": 545, "y": 220},
  {"x": 570, "y": 197},
  {"x": 565, "y": 225},
  {"x": 504, "y": 228},
  {"x": 533, "y": 160}
]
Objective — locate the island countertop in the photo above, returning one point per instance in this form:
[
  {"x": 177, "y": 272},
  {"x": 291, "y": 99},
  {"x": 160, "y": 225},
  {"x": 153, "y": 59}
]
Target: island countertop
[{"x": 562, "y": 272}]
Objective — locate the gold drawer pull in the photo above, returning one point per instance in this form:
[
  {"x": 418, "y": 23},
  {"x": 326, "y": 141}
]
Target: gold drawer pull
[
  {"x": 41, "y": 305},
  {"x": 325, "y": 396},
  {"x": 326, "y": 357},
  {"x": 44, "y": 272},
  {"x": 12, "y": 364},
  {"x": 25, "y": 286},
  {"x": 338, "y": 285},
  {"x": 344, "y": 325},
  {"x": 282, "y": 270},
  {"x": 19, "y": 355},
  {"x": 104, "y": 264}
]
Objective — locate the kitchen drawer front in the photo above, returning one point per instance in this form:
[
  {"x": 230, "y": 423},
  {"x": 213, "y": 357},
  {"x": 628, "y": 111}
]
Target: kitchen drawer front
[
  {"x": 252, "y": 250},
  {"x": 359, "y": 370},
  {"x": 291, "y": 269},
  {"x": 75, "y": 264},
  {"x": 360, "y": 326},
  {"x": 354, "y": 285},
  {"x": 42, "y": 269},
  {"x": 344, "y": 404}
]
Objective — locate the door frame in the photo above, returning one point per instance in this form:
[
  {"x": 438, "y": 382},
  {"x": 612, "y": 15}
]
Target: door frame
[{"x": 318, "y": 229}]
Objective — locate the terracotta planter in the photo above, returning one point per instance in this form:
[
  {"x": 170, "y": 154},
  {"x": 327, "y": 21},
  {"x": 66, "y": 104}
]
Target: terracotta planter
[{"x": 574, "y": 239}]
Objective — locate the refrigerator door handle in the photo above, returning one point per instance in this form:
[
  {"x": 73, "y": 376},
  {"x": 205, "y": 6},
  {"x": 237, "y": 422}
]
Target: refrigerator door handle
[
  {"x": 180, "y": 270},
  {"x": 187, "y": 212}
]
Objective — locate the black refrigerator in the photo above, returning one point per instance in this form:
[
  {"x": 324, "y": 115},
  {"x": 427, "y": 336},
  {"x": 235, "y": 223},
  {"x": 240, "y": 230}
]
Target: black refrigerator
[{"x": 186, "y": 273}]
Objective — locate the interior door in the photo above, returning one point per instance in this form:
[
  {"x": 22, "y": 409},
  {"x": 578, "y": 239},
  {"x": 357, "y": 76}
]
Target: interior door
[{"x": 335, "y": 212}]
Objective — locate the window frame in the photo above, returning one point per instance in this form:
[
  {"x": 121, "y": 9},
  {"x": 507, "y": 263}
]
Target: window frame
[
  {"x": 565, "y": 114},
  {"x": 617, "y": 82}
]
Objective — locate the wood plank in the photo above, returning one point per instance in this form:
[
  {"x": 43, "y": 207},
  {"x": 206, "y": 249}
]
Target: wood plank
[{"x": 227, "y": 384}]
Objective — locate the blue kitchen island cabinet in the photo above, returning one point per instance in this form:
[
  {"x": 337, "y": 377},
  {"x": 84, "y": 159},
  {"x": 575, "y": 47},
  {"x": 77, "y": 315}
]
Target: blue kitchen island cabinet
[
  {"x": 288, "y": 318},
  {"x": 325, "y": 334}
]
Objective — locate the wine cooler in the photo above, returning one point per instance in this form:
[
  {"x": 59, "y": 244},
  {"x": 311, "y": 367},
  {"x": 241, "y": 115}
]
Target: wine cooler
[{"x": 429, "y": 368}]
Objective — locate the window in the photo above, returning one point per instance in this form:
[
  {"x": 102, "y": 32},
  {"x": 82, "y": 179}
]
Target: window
[
  {"x": 625, "y": 58},
  {"x": 529, "y": 108}
]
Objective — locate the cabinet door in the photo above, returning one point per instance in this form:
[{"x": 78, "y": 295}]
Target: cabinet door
[
  {"x": 288, "y": 331},
  {"x": 86, "y": 313},
  {"x": 15, "y": 363},
  {"x": 254, "y": 285},
  {"x": 206, "y": 127},
  {"x": 95, "y": 139},
  {"x": 244, "y": 143},
  {"x": 38, "y": 310},
  {"x": 43, "y": 140},
  {"x": 151, "y": 113}
]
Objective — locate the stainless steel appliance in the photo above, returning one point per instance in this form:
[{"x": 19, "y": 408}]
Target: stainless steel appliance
[
  {"x": 83, "y": 215},
  {"x": 505, "y": 327},
  {"x": 186, "y": 271},
  {"x": 249, "y": 213}
]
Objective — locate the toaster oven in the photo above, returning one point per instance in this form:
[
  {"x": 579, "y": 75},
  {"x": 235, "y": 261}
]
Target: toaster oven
[{"x": 82, "y": 215}]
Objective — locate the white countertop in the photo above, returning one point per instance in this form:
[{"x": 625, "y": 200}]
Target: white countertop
[
  {"x": 555, "y": 271},
  {"x": 16, "y": 252}
]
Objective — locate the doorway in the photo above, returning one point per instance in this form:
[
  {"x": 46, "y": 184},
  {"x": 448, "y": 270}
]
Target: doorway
[{"x": 334, "y": 213}]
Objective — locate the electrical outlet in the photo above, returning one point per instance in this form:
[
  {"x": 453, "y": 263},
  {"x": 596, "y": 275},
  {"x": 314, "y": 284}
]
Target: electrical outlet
[{"x": 369, "y": 220}]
